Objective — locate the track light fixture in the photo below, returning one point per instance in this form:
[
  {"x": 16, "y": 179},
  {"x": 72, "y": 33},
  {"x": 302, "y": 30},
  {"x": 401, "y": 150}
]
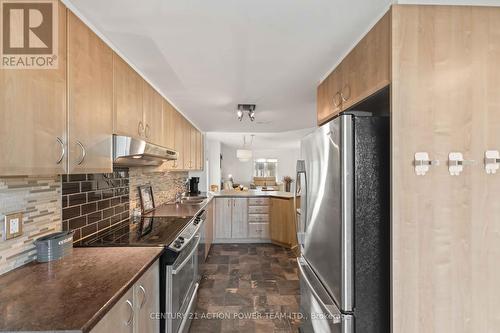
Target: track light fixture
[{"x": 249, "y": 108}]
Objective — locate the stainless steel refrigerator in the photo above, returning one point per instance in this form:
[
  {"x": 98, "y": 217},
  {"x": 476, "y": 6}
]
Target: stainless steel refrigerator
[{"x": 343, "y": 225}]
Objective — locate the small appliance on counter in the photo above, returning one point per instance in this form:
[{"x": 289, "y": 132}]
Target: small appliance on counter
[
  {"x": 54, "y": 246},
  {"x": 193, "y": 185}
]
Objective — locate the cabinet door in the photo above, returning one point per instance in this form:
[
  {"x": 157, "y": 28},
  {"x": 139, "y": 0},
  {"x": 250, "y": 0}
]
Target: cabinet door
[
  {"x": 194, "y": 148},
  {"x": 178, "y": 140},
  {"x": 329, "y": 101},
  {"x": 223, "y": 209},
  {"x": 147, "y": 300},
  {"x": 187, "y": 144},
  {"x": 33, "y": 116},
  {"x": 239, "y": 218},
  {"x": 168, "y": 125},
  {"x": 90, "y": 97},
  {"x": 209, "y": 228},
  {"x": 152, "y": 114},
  {"x": 127, "y": 96},
  {"x": 120, "y": 319},
  {"x": 278, "y": 223},
  {"x": 367, "y": 66},
  {"x": 199, "y": 151}
]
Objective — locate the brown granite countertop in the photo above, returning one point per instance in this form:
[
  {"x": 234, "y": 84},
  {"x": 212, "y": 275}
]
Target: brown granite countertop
[
  {"x": 181, "y": 210},
  {"x": 71, "y": 294},
  {"x": 253, "y": 193}
]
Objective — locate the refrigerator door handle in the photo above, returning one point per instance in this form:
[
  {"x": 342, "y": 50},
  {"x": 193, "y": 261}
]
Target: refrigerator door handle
[
  {"x": 331, "y": 309},
  {"x": 302, "y": 190}
]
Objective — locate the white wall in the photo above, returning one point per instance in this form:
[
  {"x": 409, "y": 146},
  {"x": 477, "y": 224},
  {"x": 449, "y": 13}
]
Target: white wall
[
  {"x": 211, "y": 174},
  {"x": 242, "y": 172}
]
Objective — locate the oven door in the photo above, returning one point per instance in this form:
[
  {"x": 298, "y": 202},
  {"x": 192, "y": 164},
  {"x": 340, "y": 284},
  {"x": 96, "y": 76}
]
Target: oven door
[{"x": 183, "y": 287}]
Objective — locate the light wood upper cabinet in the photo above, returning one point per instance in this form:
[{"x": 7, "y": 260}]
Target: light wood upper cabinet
[
  {"x": 194, "y": 148},
  {"x": 364, "y": 71},
  {"x": 188, "y": 159},
  {"x": 127, "y": 98},
  {"x": 178, "y": 140},
  {"x": 168, "y": 125},
  {"x": 33, "y": 116},
  {"x": 90, "y": 100},
  {"x": 152, "y": 114},
  {"x": 199, "y": 151}
]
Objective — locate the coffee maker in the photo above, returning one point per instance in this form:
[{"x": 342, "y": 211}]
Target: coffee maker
[{"x": 193, "y": 185}]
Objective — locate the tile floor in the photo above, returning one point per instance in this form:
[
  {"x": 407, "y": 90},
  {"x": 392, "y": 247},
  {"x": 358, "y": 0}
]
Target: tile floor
[{"x": 248, "y": 288}]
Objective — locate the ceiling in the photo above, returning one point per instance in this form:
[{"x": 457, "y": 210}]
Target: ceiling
[
  {"x": 261, "y": 140},
  {"x": 208, "y": 56}
]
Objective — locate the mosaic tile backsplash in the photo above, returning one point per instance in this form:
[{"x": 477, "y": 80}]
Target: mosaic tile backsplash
[
  {"x": 94, "y": 202},
  {"x": 165, "y": 184},
  {"x": 39, "y": 199}
]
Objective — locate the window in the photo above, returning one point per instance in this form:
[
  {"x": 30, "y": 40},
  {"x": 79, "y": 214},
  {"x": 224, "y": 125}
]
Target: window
[{"x": 265, "y": 167}]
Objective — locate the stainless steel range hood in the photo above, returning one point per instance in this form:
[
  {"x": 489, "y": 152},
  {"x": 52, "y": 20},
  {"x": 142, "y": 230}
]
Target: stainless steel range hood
[{"x": 128, "y": 151}]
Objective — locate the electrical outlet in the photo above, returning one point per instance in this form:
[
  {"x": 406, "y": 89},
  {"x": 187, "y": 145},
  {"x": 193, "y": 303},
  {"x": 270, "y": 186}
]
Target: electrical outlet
[{"x": 13, "y": 226}]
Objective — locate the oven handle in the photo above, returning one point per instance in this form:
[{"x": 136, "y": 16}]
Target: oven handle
[
  {"x": 195, "y": 248},
  {"x": 190, "y": 305}
]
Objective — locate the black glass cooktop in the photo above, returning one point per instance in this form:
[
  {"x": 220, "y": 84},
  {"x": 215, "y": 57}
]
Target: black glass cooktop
[{"x": 149, "y": 231}]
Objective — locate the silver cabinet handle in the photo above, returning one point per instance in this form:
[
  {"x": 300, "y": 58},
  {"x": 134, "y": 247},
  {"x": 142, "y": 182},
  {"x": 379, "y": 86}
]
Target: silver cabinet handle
[
  {"x": 84, "y": 152},
  {"x": 335, "y": 103},
  {"x": 147, "y": 131},
  {"x": 131, "y": 316},
  {"x": 144, "y": 296},
  {"x": 63, "y": 150},
  {"x": 140, "y": 129},
  {"x": 345, "y": 97}
]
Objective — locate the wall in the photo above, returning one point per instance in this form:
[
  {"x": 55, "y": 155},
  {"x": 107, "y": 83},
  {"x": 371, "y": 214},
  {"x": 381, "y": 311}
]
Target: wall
[
  {"x": 39, "y": 198},
  {"x": 445, "y": 229},
  {"x": 242, "y": 172},
  {"x": 94, "y": 202}
]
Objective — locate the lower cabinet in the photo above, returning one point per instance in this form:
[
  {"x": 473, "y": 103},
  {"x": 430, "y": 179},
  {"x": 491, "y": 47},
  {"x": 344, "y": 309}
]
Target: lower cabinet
[
  {"x": 133, "y": 311},
  {"x": 282, "y": 228},
  {"x": 231, "y": 218},
  {"x": 209, "y": 227}
]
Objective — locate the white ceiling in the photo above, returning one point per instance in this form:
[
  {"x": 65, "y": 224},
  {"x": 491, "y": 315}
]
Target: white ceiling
[
  {"x": 208, "y": 56},
  {"x": 261, "y": 140}
]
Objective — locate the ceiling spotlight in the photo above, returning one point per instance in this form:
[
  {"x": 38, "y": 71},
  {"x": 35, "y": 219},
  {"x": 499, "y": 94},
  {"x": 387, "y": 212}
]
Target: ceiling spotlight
[{"x": 249, "y": 108}]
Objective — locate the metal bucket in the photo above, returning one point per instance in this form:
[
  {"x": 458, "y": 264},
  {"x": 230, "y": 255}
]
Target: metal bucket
[{"x": 54, "y": 246}]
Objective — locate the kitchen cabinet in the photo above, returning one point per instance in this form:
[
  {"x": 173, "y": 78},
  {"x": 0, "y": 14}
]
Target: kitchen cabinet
[
  {"x": 33, "y": 116},
  {"x": 223, "y": 218},
  {"x": 168, "y": 125},
  {"x": 127, "y": 99},
  {"x": 186, "y": 134},
  {"x": 282, "y": 229},
  {"x": 178, "y": 140},
  {"x": 209, "y": 227},
  {"x": 258, "y": 218},
  {"x": 199, "y": 151},
  {"x": 131, "y": 314},
  {"x": 147, "y": 301},
  {"x": 194, "y": 148},
  {"x": 239, "y": 214},
  {"x": 364, "y": 71},
  {"x": 152, "y": 114},
  {"x": 90, "y": 100}
]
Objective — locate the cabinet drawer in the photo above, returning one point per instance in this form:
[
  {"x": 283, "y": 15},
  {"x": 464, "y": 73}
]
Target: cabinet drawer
[
  {"x": 258, "y": 201},
  {"x": 258, "y": 218},
  {"x": 258, "y": 209},
  {"x": 258, "y": 230}
]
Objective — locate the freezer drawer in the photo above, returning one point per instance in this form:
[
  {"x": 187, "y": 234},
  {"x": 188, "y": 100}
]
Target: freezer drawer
[{"x": 321, "y": 315}]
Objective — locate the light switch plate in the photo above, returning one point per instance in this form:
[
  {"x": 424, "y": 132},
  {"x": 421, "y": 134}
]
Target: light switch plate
[{"x": 13, "y": 226}]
